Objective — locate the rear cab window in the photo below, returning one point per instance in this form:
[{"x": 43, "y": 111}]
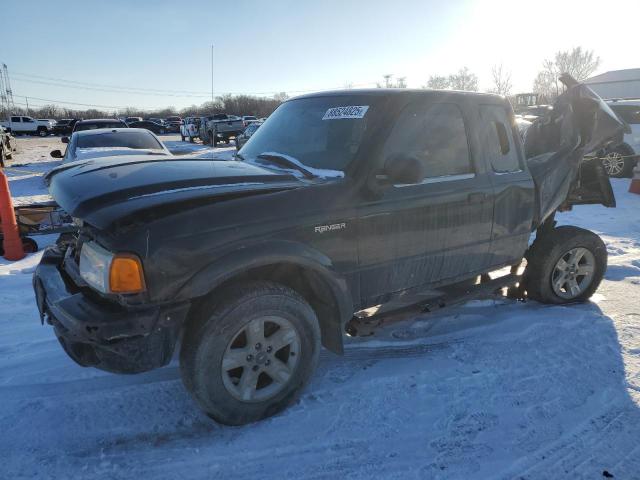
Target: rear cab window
[
  {"x": 436, "y": 134},
  {"x": 497, "y": 139},
  {"x": 137, "y": 140}
]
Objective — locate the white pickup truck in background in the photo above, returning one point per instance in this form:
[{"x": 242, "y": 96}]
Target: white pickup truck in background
[{"x": 27, "y": 125}]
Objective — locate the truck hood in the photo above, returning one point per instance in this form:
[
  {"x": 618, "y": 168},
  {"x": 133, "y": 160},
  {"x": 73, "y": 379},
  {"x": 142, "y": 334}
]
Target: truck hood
[{"x": 103, "y": 191}]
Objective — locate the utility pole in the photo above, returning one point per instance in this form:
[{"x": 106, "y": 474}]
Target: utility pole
[{"x": 212, "y": 99}]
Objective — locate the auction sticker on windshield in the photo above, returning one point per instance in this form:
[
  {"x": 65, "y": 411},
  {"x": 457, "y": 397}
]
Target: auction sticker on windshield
[{"x": 353, "y": 111}]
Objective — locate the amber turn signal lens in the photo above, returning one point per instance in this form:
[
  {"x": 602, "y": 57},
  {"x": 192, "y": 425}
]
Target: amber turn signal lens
[{"x": 125, "y": 275}]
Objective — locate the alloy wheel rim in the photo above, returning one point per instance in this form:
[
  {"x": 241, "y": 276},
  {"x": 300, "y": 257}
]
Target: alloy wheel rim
[
  {"x": 260, "y": 359},
  {"x": 613, "y": 163},
  {"x": 573, "y": 273}
]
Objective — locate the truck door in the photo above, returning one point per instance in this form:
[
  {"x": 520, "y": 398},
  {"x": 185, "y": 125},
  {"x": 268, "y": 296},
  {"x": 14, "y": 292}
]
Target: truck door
[
  {"x": 434, "y": 230},
  {"x": 512, "y": 184},
  {"x": 28, "y": 125},
  {"x": 16, "y": 124}
]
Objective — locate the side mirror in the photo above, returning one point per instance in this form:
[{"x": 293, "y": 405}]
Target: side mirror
[
  {"x": 64, "y": 139},
  {"x": 56, "y": 154},
  {"x": 402, "y": 168}
]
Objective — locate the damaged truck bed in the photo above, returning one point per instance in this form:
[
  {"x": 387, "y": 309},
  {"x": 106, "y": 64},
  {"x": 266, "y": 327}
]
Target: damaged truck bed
[{"x": 340, "y": 202}]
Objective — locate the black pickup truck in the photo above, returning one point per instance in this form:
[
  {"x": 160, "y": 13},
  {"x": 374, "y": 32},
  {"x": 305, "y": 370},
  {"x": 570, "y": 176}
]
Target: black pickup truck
[{"x": 341, "y": 201}]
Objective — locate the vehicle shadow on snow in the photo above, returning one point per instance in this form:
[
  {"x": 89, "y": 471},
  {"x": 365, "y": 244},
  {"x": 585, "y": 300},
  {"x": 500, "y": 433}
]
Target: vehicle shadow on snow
[
  {"x": 517, "y": 388},
  {"x": 621, "y": 272}
]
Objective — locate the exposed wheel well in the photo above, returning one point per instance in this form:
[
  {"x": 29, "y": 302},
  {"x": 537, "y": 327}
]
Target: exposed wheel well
[{"x": 310, "y": 285}]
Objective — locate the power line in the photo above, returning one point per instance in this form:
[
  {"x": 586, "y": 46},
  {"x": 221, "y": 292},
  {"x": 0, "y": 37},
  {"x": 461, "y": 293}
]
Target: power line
[
  {"x": 150, "y": 91},
  {"x": 90, "y": 84},
  {"x": 81, "y": 87}
]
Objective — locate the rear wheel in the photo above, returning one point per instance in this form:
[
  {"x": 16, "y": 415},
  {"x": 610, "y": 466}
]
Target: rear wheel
[
  {"x": 247, "y": 357},
  {"x": 565, "y": 265},
  {"x": 618, "y": 163}
]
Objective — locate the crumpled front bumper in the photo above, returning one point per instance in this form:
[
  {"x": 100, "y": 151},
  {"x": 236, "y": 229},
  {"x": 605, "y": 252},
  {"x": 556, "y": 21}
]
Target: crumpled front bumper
[{"x": 96, "y": 332}]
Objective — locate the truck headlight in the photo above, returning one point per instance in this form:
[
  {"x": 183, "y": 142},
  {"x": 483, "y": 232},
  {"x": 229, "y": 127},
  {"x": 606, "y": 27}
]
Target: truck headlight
[{"x": 110, "y": 273}]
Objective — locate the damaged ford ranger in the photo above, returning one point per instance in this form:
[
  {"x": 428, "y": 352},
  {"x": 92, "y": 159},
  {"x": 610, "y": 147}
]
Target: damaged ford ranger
[{"x": 340, "y": 202}]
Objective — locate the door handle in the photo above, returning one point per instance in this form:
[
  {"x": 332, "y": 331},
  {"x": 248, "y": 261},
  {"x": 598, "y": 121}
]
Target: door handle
[{"x": 476, "y": 197}]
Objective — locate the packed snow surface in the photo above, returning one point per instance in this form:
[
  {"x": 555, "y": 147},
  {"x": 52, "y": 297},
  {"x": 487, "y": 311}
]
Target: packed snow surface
[{"x": 492, "y": 389}]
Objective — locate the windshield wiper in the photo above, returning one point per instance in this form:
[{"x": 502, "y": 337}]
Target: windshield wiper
[{"x": 286, "y": 162}]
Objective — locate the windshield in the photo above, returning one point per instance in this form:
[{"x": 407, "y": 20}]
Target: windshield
[
  {"x": 320, "y": 132},
  {"x": 135, "y": 140}
]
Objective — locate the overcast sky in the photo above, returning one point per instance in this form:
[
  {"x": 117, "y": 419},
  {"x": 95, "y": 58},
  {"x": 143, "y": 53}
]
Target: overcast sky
[{"x": 266, "y": 47}]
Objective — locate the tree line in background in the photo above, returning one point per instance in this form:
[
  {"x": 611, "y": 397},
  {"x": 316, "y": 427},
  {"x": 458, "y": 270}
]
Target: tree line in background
[
  {"x": 231, "y": 104},
  {"x": 577, "y": 62}
]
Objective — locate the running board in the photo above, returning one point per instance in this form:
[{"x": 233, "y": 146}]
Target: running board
[{"x": 366, "y": 321}]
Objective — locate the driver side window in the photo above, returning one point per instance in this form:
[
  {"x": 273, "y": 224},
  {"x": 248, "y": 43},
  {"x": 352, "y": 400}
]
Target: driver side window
[{"x": 435, "y": 134}]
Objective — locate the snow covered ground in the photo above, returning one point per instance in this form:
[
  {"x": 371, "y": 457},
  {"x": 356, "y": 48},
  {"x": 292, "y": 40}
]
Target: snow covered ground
[{"x": 492, "y": 389}]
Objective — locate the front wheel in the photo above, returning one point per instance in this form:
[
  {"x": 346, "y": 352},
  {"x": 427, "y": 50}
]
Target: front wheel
[
  {"x": 43, "y": 132},
  {"x": 565, "y": 265},
  {"x": 247, "y": 357},
  {"x": 214, "y": 139}
]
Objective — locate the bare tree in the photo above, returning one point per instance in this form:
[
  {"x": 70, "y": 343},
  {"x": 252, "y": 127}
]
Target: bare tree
[
  {"x": 464, "y": 80},
  {"x": 579, "y": 63},
  {"x": 437, "y": 82},
  {"x": 387, "y": 82},
  {"x": 501, "y": 80}
]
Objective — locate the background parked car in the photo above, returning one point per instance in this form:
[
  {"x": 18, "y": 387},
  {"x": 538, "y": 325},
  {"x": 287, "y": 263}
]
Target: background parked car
[
  {"x": 157, "y": 120},
  {"x": 246, "y": 135},
  {"x": 173, "y": 123},
  {"x": 108, "y": 142},
  {"x": 190, "y": 128},
  {"x": 219, "y": 127},
  {"x": 247, "y": 119},
  {"x": 64, "y": 126},
  {"x": 620, "y": 161},
  {"x": 129, "y": 120},
  {"x": 20, "y": 124},
  {"x": 154, "y": 127},
  {"x": 99, "y": 123}
]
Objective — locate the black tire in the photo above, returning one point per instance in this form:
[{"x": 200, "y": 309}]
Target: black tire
[
  {"x": 545, "y": 253},
  {"x": 29, "y": 245},
  {"x": 191, "y": 140},
  {"x": 626, "y": 170},
  {"x": 213, "y": 139},
  {"x": 2, "y": 156},
  {"x": 162, "y": 131},
  {"x": 182, "y": 137},
  {"x": 217, "y": 322},
  {"x": 43, "y": 132}
]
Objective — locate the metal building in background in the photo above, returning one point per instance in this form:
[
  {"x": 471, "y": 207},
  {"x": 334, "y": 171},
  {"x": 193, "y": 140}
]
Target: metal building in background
[{"x": 616, "y": 84}]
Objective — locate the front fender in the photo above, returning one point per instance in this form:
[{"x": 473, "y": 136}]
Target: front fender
[{"x": 272, "y": 253}]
